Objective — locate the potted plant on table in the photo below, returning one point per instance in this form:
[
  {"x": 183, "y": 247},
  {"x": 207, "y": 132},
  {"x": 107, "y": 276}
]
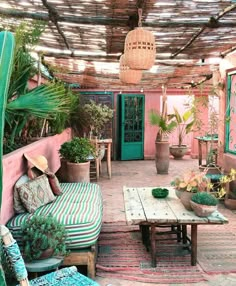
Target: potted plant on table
[
  {"x": 77, "y": 153},
  {"x": 188, "y": 184},
  {"x": 185, "y": 124},
  {"x": 203, "y": 204},
  {"x": 166, "y": 126},
  {"x": 43, "y": 237}
]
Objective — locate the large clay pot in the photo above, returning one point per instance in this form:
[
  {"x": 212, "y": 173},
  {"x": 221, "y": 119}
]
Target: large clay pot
[
  {"x": 78, "y": 172},
  {"x": 185, "y": 199},
  {"x": 162, "y": 157},
  {"x": 230, "y": 202},
  {"x": 178, "y": 151},
  {"x": 62, "y": 171}
]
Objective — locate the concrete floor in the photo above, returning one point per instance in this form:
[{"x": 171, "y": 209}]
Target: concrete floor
[{"x": 141, "y": 174}]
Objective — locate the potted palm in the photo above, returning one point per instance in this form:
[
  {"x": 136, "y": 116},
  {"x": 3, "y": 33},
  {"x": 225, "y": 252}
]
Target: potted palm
[
  {"x": 185, "y": 124},
  {"x": 77, "y": 154},
  {"x": 165, "y": 126}
]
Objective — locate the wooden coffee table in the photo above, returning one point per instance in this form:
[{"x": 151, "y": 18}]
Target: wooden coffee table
[{"x": 143, "y": 209}]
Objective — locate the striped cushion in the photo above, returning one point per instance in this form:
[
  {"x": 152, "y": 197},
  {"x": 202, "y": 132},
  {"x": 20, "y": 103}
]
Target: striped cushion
[{"x": 79, "y": 209}]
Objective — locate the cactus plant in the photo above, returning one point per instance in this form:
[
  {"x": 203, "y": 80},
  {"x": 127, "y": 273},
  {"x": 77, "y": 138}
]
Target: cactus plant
[{"x": 7, "y": 43}]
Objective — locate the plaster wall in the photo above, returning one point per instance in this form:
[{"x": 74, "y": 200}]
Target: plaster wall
[{"x": 14, "y": 165}]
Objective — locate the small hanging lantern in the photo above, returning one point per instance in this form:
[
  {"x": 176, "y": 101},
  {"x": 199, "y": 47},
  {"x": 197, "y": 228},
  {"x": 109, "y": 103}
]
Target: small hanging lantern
[
  {"x": 140, "y": 48},
  {"x": 127, "y": 75}
]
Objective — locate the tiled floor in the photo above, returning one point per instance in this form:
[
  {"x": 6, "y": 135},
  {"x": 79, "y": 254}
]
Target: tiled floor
[{"x": 141, "y": 174}]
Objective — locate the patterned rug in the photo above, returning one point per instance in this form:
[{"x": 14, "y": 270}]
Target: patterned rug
[
  {"x": 217, "y": 250},
  {"x": 122, "y": 255}
]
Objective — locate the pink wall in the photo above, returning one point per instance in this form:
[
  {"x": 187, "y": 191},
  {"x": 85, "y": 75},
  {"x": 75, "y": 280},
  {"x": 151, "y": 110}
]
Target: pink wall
[
  {"x": 153, "y": 100},
  {"x": 14, "y": 165}
]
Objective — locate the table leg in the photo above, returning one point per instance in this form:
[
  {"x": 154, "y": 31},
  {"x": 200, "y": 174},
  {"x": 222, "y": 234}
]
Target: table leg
[
  {"x": 153, "y": 245},
  {"x": 109, "y": 160},
  {"x": 193, "y": 244},
  {"x": 145, "y": 235},
  {"x": 199, "y": 153},
  {"x": 184, "y": 233}
]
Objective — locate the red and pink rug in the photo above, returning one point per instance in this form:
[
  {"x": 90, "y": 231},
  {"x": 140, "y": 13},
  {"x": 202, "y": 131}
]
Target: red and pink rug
[{"x": 123, "y": 255}]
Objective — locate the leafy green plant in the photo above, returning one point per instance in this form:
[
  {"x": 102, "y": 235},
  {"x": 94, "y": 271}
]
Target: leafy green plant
[
  {"x": 184, "y": 123},
  {"x": 40, "y": 233},
  {"x": 204, "y": 198},
  {"x": 6, "y": 62},
  {"x": 77, "y": 150},
  {"x": 97, "y": 116},
  {"x": 63, "y": 120},
  {"x": 22, "y": 103},
  {"x": 166, "y": 124}
]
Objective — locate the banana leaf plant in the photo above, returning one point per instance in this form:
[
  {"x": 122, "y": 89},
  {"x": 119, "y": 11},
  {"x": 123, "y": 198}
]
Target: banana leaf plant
[
  {"x": 6, "y": 62},
  {"x": 184, "y": 123}
]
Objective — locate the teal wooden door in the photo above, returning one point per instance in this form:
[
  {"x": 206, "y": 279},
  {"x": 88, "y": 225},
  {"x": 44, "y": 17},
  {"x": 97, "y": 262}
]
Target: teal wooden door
[{"x": 132, "y": 126}]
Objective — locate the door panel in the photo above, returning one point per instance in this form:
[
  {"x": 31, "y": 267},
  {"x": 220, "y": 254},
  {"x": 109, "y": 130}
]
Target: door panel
[{"x": 132, "y": 126}]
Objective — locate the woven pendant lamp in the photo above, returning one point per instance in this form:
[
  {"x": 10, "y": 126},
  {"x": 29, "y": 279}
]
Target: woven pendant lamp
[
  {"x": 140, "y": 48},
  {"x": 127, "y": 75}
]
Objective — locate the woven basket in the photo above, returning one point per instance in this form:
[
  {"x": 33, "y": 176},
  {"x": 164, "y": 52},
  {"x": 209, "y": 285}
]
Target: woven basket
[
  {"x": 140, "y": 49},
  {"x": 128, "y": 75}
]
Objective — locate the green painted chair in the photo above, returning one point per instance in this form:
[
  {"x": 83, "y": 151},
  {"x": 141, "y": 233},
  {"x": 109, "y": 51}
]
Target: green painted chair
[{"x": 65, "y": 276}]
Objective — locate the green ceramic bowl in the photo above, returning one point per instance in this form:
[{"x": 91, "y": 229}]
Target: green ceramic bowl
[{"x": 160, "y": 192}]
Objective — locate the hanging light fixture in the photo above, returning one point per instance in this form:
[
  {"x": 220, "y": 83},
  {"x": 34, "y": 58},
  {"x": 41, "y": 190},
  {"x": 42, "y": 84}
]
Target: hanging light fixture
[
  {"x": 140, "y": 48},
  {"x": 128, "y": 75}
]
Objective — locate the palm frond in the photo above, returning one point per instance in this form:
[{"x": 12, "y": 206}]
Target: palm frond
[{"x": 43, "y": 101}]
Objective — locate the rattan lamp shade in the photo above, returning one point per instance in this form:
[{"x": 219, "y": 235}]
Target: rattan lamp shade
[
  {"x": 140, "y": 49},
  {"x": 128, "y": 75}
]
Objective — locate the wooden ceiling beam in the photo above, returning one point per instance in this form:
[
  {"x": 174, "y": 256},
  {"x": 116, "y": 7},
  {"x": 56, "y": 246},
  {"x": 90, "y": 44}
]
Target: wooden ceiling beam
[
  {"x": 115, "y": 22},
  {"x": 212, "y": 23}
]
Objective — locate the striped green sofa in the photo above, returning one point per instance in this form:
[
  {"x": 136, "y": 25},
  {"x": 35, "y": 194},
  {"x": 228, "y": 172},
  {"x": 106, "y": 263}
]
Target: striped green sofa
[{"x": 80, "y": 210}]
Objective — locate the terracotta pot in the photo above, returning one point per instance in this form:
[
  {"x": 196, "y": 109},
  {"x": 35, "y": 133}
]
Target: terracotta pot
[
  {"x": 178, "y": 193},
  {"x": 62, "y": 171},
  {"x": 162, "y": 157},
  {"x": 178, "y": 151},
  {"x": 78, "y": 172},
  {"x": 202, "y": 210},
  {"x": 46, "y": 253},
  {"x": 229, "y": 202},
  {"x": 185, "y": 199}
]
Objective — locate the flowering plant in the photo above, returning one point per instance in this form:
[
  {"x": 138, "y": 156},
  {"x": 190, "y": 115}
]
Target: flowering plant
[
  {"x": 191, "y": 182},
  {"x": 223, "y": 184}
]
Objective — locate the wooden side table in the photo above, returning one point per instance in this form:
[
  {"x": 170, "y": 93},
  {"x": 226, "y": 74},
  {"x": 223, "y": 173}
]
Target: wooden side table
[
  {"x": 204, "y": 140},
  {"x": 107, "y": 143},
  {"x": 44, "y": 265}
]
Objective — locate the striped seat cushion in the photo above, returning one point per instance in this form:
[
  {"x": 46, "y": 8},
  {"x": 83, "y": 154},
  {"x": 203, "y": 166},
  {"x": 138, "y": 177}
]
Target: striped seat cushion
[{"x": 80, "y": 209}]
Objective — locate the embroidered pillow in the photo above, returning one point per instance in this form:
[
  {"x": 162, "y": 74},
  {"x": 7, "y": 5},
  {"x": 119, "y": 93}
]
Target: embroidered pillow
[
  {"x": 36, "y": 193},
  {"x": 54, "y": 184},
  {"x": 17, "y": 204}
]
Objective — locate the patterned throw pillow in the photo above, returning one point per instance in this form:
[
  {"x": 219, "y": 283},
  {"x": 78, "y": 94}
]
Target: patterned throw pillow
[
  {"x": 36, "y": 193},
  {"x": 54, "y": 184},
  {"x": 17, "y": 204}
]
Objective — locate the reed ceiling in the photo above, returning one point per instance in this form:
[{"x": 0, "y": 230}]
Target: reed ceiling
[{"x": 86, "y": 38}]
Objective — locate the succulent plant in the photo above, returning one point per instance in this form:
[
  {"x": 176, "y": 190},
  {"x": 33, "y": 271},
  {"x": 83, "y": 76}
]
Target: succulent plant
[
  {"x": 204, "y": 198},
  {"x": 41, "y": 233}
]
